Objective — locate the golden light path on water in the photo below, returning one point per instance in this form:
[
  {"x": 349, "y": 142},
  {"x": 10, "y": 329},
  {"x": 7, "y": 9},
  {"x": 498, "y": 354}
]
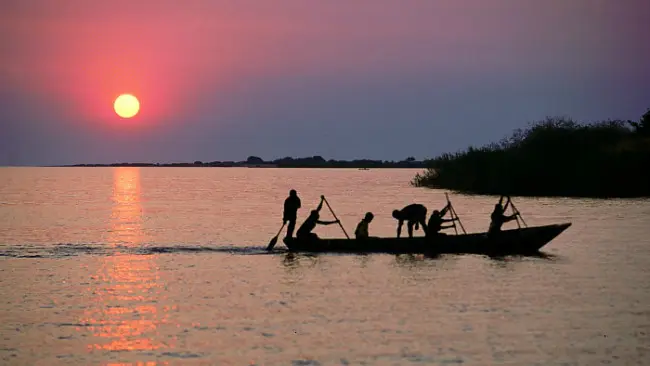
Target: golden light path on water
[{"x": 127, "y": 313}]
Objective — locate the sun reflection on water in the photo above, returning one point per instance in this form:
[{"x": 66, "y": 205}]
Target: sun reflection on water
[
  {"x": 126, "y": 289},
  {"x": 126, "y": 215}
]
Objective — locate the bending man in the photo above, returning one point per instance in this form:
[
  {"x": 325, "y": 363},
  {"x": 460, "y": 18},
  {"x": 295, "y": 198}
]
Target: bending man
[{"x": 414, "y": 214}]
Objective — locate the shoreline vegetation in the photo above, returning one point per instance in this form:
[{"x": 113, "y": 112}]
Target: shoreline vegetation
[
  {"x": 553, "y": 157},
  {"x": 287, "y": 162}
]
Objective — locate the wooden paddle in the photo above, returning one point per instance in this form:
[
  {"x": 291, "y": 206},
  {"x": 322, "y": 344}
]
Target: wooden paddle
[
  {"x": 337, "y": 219},
  {"x": 514, "y": 209},
  {"x": 459, "y": 222},
  {"x": 275, "y": 238},
  {"x": 454, "y": 216},
  {"x": 451, "y": 213}
]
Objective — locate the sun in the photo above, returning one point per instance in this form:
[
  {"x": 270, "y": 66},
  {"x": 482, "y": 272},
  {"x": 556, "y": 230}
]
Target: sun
[{"x": 126, "y": 106}]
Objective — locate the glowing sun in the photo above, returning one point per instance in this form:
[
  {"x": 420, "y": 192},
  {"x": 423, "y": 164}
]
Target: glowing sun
[{"x": 126, "y": 106}]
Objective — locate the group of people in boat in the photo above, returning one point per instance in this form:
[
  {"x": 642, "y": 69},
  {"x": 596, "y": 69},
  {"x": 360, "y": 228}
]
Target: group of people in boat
[{"x": 414, "y": 215}]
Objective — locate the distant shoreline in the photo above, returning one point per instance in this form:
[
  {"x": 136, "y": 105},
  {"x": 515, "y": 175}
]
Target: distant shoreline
[{"x": 256, "y": 162}]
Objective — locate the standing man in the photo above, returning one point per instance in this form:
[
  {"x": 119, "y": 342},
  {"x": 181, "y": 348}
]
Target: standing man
[
  {"x": 291, "y": 206},
  {"x": 414, "y": 214}
]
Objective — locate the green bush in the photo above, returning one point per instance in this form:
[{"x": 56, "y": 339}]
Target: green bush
[{"x": 554, "y": 157}]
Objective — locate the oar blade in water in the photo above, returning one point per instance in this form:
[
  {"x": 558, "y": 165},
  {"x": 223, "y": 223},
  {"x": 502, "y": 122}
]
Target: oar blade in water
[
  {"x": 272, "y": 243},
  {"x": 275, "y": 238}
]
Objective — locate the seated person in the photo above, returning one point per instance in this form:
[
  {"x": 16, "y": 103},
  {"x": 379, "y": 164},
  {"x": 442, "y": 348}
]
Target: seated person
[
  {"x": 436, "y": 221},
  {"x": 362, "y": 229},
  {"x": 304, "y": 232},
  {"x": 498, "y": 218}
]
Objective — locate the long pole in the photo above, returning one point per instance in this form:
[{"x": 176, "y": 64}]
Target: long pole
[
  {"x": 514, "y": 208},
  {"x": 517, "y": 219},
  {"x": 459, "y": 222},
  {"x": 454, "y": 215},
  {"x": 451, "y": 211},
  {"x": 337, "y": 219}
]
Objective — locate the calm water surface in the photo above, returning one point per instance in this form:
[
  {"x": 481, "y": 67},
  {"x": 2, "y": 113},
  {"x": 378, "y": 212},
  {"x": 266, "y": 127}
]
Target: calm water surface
[{"x": 164, "y": 266}]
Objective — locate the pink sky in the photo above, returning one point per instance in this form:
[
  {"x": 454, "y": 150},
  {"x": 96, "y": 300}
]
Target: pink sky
[{"x": 186, "y": 60}]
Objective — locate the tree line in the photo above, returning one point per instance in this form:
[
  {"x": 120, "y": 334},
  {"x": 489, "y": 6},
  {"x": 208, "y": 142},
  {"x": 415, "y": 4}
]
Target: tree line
[
  {"x": 286, "y": 162},
  {"x": 553, "y": 157}
]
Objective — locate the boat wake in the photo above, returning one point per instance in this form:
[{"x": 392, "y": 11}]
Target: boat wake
[
  {"x": 71, "y": 250},
  {"x": 206, "y": 249}
]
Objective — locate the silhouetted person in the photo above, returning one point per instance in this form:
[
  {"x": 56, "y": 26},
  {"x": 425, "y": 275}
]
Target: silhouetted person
[
  {"x": 498, "y": 218},
  {"x": 413, "y": 214},
  {"x": 436, "y": 221},
  {"x": 362, "y": 228},
  {"x": 290, "y": 214},
  {"x": 304, "y": 232}
]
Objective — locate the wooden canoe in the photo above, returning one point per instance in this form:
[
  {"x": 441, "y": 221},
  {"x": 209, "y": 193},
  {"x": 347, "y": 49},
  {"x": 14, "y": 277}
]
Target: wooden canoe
[{"x": 515, "y": 241}]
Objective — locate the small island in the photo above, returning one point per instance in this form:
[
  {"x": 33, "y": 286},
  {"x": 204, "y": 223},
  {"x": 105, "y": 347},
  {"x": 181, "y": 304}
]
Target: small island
[
  {"x": 554, "y": 157},
  {"x": 287, "y": 162}
]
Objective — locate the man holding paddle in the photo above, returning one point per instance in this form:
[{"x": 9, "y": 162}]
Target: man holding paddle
[
  {"x": 436, "y": 221},
  {"x": 498, "y": 218},
  {"x": 304, "y": 232},
  {"x": 290, "y": 214}
]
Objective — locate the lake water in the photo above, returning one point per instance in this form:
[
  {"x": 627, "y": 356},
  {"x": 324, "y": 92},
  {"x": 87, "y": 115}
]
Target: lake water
[{"x": 166, "y": 266}]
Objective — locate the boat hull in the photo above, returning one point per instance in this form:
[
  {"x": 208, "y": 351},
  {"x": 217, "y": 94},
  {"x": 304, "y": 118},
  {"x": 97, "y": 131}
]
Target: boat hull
[{"x": 516, "y": 241}]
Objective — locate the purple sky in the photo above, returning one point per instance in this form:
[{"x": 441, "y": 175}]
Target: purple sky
[{"x": 222, "y": 80}]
